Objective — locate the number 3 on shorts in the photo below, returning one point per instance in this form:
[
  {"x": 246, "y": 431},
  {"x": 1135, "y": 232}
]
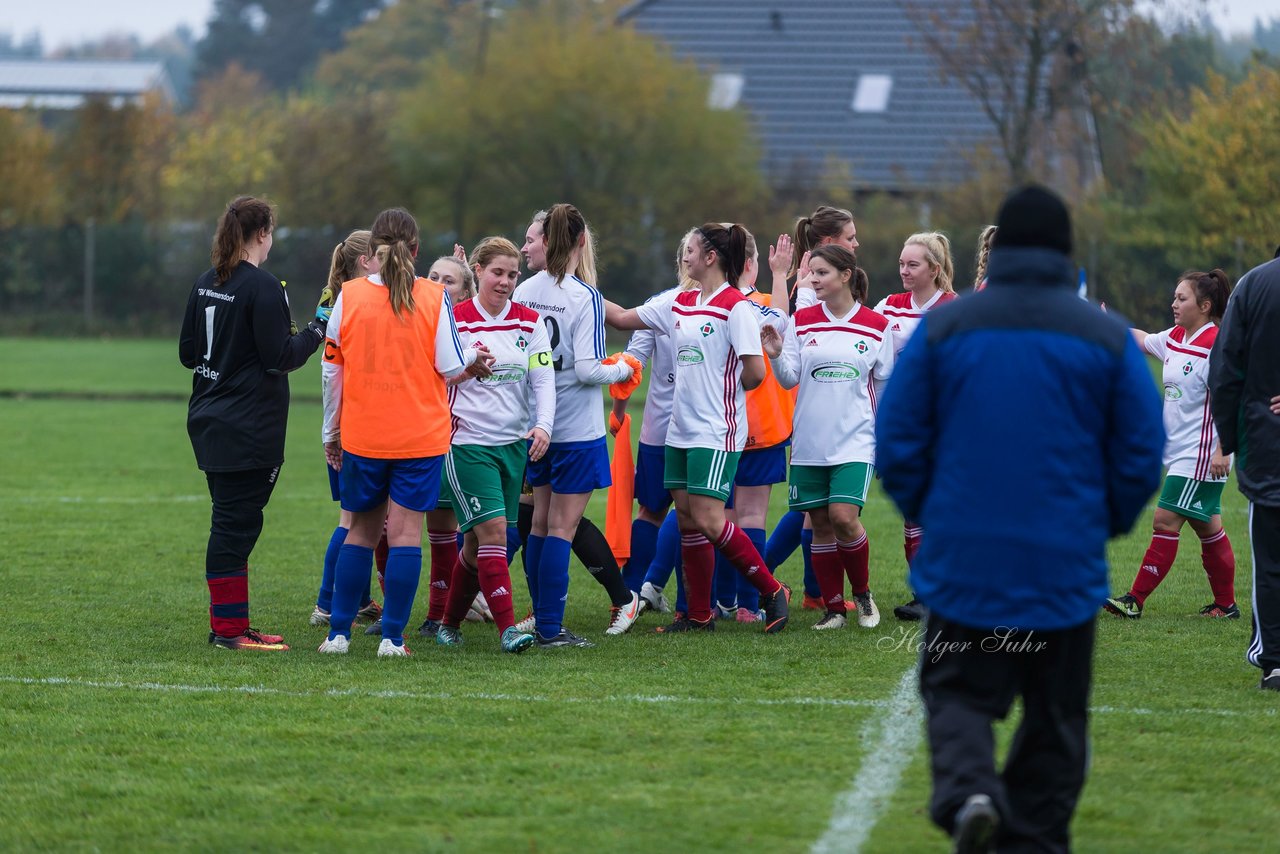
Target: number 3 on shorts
[{"x": 475, "y": 504}]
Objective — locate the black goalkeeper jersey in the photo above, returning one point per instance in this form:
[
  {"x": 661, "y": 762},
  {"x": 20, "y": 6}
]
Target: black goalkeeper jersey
[{"x": 237, "y": 339}]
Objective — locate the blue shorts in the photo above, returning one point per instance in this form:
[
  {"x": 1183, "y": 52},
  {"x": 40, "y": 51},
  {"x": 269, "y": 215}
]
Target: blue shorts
[
  {"x": 763, "y": 466},
  {"x": 333, "y": 482},
  {"x": 650, "y": 465},
  {"x": 413, "y": 484},
  {"x": 572, "y": 467}
]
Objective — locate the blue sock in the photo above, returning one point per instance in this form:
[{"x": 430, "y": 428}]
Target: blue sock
[
  {"x": 553, "y": 585},
  {"x": 748, "y": 595},
  {"x": 460, "y": 537},
  {"x": 811, "y": 587},
  {"x": 644, "y": 542},
  {"x": 349, "y": 577},
  {"x": 404, "y": 568},
  {"x": 513, "y": 543},
  {"x": 784, "y": 540},
  {"x": 324, "y": 600},
  {"x": 533, "y": 557},
  {"x": 365, "y": 598},
  {"x": 666, "y": 554},
  {"x": 725, "y": 583}
]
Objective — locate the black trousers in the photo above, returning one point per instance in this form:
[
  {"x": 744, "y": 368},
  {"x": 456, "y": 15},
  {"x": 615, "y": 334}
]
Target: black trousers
[
  {"x": 1264, "y": 535},
  {"x": 969, "y": 678},
  {"x": 238, "y": 500}
]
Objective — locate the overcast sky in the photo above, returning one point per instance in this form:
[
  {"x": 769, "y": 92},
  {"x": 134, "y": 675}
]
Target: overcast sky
[{"x": 63, "y": 22}]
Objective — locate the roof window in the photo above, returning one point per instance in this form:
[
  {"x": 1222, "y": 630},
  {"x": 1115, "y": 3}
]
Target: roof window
[{"x": 872, "y": 93}]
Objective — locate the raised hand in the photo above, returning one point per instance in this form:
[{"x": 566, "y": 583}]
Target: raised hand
[{"x": 770, "y": 341}]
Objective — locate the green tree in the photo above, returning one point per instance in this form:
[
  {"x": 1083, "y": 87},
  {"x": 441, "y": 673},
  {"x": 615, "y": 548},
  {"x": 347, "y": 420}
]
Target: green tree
[{"x": 29, "y": 191}]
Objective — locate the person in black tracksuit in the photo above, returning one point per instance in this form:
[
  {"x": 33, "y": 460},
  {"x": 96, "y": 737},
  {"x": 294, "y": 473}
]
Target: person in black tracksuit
[
  {"x": 240, "y": 342},
  {"x": 1244, "y": 378}
]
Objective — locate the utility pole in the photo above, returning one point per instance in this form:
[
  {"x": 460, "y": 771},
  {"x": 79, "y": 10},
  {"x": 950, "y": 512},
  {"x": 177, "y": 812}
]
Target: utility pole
[{"x": 90, "y": 250}]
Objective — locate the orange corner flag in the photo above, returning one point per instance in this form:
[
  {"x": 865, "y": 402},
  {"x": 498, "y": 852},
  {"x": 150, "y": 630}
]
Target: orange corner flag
[{"x": 617, "y": 522}]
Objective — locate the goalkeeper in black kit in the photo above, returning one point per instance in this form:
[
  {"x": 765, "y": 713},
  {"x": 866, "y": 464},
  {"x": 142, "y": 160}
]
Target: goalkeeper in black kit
[{"x": 239, "y": 340}]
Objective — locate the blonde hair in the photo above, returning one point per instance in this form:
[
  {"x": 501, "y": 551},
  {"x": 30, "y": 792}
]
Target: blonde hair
[
  {"x": 466, "y": 277},
  {"x": 937, "y": 251},
  {"x": 488, "y": 249},
  {"x": 985, "y": 239},
  {"x": 394, "y": 241},
  {"x": 345, "y": 264},
  {"x": 686, "y": 283}
]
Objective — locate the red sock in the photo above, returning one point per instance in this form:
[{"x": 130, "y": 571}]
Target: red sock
[
  {"x": 1220, "y": 566},
  {"x": 855, "y": 557},
  {"x": 1156, "y": 564},
  {"x": 444, "y": 554},
  {"x": 460, "y": 593},
  {"x": 229, "y": 602},
  {"x": 911, "y": 536},
  {"x": 826, "y": 568},
  {"x": 380, "y": 552},
  {"x": 495, "y": 584},
  {"x": 699, "y": 560},
  {"x": 738, "y": 548}
]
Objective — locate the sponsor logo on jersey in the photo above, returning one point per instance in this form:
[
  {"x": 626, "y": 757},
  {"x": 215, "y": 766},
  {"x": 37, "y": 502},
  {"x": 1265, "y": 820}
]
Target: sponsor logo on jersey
[
  {"x": 835, "y": 372},
  {"x": 1172, "y": 392},
  {"x": 813, "y": 342},
  {"x": 1187, "y": 368},
  {"x": 706, "y": 329},
  {"x": 206, "y": 372},
  {"x": 861, "y": 346},
  {"x": 505, "y": 375},
  {"x": 690, "y": 354}
]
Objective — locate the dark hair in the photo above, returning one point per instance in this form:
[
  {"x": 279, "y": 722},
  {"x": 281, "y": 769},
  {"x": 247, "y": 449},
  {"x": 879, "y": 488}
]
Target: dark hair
[
  {"x": 1212, "y": 287},
  {"x": 394, "y": 241},
  {"x": 730, "y": 245},
  {"x": 842, "y": 259},
  {"x": 825, "y": 221},
  {"x": 562, "y": 229},
  {"x": 243, "y": 218}
]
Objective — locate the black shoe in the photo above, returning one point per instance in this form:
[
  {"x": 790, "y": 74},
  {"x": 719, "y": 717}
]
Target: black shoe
[
  {"x": 912, "y": 612},
  {"x": 375, "y": 628},
  {"x": 1126, "y": 606},
  {"x": 1271, "y": 682},
  {"x": 1213, "y": 609},
  {"x": 428, "y": 628},
  {"x": 565, "y": 638},
  {"x": 777, "y": 610},
  {"x": 684, "y": 624},
  {"x": 976, "y": 826}
]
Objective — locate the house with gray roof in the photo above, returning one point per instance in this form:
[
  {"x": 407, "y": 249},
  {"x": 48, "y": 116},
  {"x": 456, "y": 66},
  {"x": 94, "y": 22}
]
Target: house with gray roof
[
  {"x": 65, "y": 85},
  {"x": 843, "y": 80}
]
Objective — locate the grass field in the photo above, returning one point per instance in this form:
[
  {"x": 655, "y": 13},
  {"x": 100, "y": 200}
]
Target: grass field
[{"x": 123, "y": 729}]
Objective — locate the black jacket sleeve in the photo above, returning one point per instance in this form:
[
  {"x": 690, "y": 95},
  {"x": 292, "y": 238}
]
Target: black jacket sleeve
[
  {"x": 189, "y": 337},
  {"x": 1227, "y": 364},
  {"x": 280, "y": 351}
]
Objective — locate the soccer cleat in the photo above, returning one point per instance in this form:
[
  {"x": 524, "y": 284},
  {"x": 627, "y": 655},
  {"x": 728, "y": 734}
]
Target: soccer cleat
[
  {"x": 319, "y": 617},
  {"x": 911, "y": 612},
  {"x": 685, "y": 624},
  {"x": 777, "y": 609},
  {"x": 388, "y": 649},
  {"x": 1271, "y": 681},
  {"x": 448, "y": 636},
  {"x": 868, "y": 613},
  {"x": 251, "y": 639},
  {"x": 428, "y": 628},
  {"x": 374, "y": 628},
  {"x": 515, "y": 641},
  {"x": 371, "y": 611},
  {"x": 335, "y": 646},
  {"x": 746, "y": 615},
  {"x": 976, "y": 826},
  {"x": 565, "y": 638},
  {"x": 720, "y": 612},
  {"x": 654, "y": 599},
  {"x": 528, "y": 624},
  {"x": 831, "y": 620},
  {"x": 479, "y": 611},
  {"x": 1126, "y": 606},
  {"x": 622, "y": 619},
  {"x": 1213, "y": 609},
  {"x": 813, "y": 603}
]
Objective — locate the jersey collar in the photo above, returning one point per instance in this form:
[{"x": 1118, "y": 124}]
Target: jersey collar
[
  {"x": 856, "y": 305},
  {"x": 714, "y": 294}
]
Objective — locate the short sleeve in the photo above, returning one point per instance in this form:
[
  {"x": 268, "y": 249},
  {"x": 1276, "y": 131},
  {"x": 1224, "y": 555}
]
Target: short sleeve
[
  {"x": 744, "y": 330},
  {"x": 657, "y": 315},
  {"x": 1157, "y": 343}
]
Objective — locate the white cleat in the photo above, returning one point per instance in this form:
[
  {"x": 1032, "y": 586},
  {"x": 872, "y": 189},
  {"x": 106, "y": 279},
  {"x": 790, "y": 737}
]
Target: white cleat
[
  {"x": 653, "y": 598},
  {"x": 479, "y": 611},
  {"x": 528, "y": 624},
  {"x": 868, "y": 613},
  {"x": 625, "y": 617},
  {"x": 831, "y": 620},
  {"x": 387, "y": 649},
  {"x": 335, "y": 646},
  {"x": 319, "y": 617}
]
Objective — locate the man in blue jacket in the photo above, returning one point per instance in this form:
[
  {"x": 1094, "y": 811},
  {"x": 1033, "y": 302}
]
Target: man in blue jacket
[{"x": 1022, "y": 429}]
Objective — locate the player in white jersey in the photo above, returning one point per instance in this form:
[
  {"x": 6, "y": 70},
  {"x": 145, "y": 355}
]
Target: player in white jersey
[
  {"x": 489, "y": 418},
  {"x": 927, "y": 274},
  {"x": 838, "y": 353},
  {"x": 1197, "y": 468},
  {"x": 577, "y": 462},
  {"x": 717, "y": 340}
]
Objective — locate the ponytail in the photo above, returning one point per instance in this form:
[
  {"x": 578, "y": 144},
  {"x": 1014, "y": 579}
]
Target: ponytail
[
  {"x": 562, "y": 229},
  {"x": 985, "y": 239},
  {"x": 825, "y": 221},
  {"x": 394, "y": 241},
  {"x": 345, "y": 264},
  {"x": 1212, "y": 287},
  {"x": 243, "y": 218},
  {"x": 730, "y": 245}
]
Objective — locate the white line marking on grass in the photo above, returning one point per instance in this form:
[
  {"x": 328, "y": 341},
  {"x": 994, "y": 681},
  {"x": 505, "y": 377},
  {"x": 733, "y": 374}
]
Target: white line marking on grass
[
  {"x": 134, "y": 499},
  {"x": 889, "y": 741}
]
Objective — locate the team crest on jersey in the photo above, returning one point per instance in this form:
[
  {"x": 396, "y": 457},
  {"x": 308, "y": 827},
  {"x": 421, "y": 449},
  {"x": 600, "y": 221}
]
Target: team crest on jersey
[
  {"x": 706, "y": 329},
  {"x": 521, "y": 342},
  {"x": 1187, "y": 369},
  {"x": 861, "y": 346}
]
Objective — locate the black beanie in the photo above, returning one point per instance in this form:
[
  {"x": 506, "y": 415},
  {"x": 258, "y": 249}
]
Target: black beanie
[{"x": 1034, "y": 216}]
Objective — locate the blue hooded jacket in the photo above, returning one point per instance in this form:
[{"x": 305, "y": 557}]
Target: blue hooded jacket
[{"x": 1021, "y": 429}]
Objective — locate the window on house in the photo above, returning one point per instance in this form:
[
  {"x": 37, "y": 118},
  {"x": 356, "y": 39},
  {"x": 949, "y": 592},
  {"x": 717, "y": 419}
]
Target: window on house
[
  {"x": 726, "y": 89},
  {"x": 872, "y": 93}
]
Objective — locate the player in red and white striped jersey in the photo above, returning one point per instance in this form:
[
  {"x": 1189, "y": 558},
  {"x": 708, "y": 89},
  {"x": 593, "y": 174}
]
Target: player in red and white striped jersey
[{"x": 1197, "y": 468}]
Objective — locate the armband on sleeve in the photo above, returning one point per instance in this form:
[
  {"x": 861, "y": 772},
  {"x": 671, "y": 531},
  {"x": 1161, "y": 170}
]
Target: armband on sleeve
[{"x": 539, "y": 360}]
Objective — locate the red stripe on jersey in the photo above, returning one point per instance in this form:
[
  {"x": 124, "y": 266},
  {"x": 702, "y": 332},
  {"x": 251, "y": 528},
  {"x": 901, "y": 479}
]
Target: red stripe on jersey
[
  {"x": 453, "y": 419},
  {"x": 494, "y": 327},
  {"x": 856, "y": 330},
  {"x": 730, "y": 400},
  {"x": 1206, "y": 441},
  {"x": 1199, "y": 354},
  {"x": 911, "y": 313},
  {"x": 871, "y": 393},
  {"x": 701, "y": 311}
]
